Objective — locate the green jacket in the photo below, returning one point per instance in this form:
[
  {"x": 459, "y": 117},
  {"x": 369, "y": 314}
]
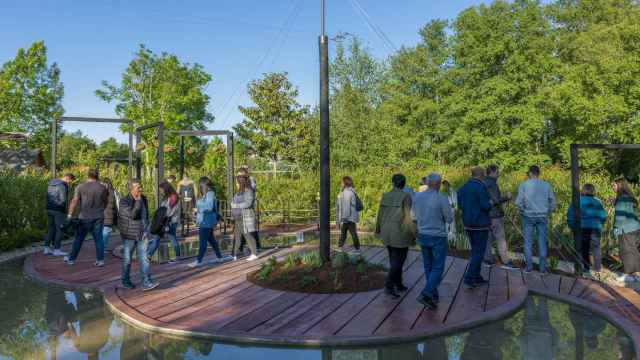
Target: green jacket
[{"x": 394, "y": 225}]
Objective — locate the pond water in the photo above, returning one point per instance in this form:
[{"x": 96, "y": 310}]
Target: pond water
[{"x": 50, "y": 322}]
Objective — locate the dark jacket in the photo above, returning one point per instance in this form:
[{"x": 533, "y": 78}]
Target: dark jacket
[
  {"x": 57, "y": 199},
  {"x": 496, "y": 197},
  {"x": 111, "y": 210},
  {"x": 394, "y": 224},
  {"x": 131, "y": 217},
  {"x": 474, "y": 201}
]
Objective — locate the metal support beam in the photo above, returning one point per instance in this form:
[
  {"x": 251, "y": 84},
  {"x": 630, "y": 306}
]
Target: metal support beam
[
  {"x": 325, "y": 180},
  {"x": 181, "y": 170},
  {"x": 575, "y": 203},
  {"x": 230, "y": 168},
  {"x": 54, "y": 148},
  {"x": 94, "y": 120}
]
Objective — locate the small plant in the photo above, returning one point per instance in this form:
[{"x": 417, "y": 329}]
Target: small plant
[
  {"x": 265, "y": 271},
  {"x": 361, "y": 268},
  {"x": 340, "y": 261},
  {"x": 553, "y": 263},
  {"x": 308, "y": 281},
  {"x": 291, "y": 261},
  {"x": 311, "y": 260},
  {"x": 283, "y": 277},
  {"x": 272, "y": 261}
]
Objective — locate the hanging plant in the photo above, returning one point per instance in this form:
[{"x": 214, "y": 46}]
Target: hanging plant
[
  {"x": 169, "y": 149},
  {"x": 141, "y": 146}
]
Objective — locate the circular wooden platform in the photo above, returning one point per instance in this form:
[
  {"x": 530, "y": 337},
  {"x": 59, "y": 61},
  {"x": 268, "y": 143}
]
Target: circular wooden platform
[{"x": 218, "y": 303}]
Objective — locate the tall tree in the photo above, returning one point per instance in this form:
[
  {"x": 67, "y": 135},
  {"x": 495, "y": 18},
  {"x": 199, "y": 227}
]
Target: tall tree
[
  {"x": 111, "y": 148},
  {"x": 30, "y": 94},
  {"x": 76, "y": 149},
  {"x": 163, "y": 88},
  {"x": 276, "y": 126}
]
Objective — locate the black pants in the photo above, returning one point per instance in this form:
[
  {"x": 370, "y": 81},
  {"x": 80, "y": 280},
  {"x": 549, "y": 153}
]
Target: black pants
[
  {"x": 256, "y": 236},
  {"x": 351, "y": 227},
  {"x": 397, "y": 257}
]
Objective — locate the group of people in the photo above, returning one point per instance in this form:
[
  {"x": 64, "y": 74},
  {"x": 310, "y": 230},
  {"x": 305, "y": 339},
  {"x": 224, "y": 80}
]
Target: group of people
[
  {"x": 97, "y": 208},
  {"x": 426, "y": 216}
]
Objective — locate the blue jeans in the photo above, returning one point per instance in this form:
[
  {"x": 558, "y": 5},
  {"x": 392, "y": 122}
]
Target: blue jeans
[
  {"x": 93, "y": 226},
  {"x": 434, "y": 255},
  {"x": 141, "y": 250},
  {"x": 530, "y": 225},
  {"x": 478, "y": 240},
  {"x": 205, "y": 236},
  {"x": 106, "y": 230},
  {"x": 54, "y": 231},
  {"x": 154, "y": 243}
]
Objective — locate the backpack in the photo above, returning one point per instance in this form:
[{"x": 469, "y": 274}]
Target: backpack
[
  {"x": 159, "y": 221},
  {"x": 359, "y": 204}
]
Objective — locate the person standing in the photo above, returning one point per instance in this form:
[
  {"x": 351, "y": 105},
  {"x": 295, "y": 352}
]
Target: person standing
[
  {"x": 497, "y": 234},
  {"x": 172, "y": 217},
  {"x": 592, "y": 219},
  {"x": 57, "y": 203},
  {"x": 187, "y": 192},
  {"x": 474, "y": 201},
  {"x": 110, "y": 211},
  {"x": 536, "y": 202},
  {"x": 452, "y": 197},
  {"x": 395, "y": 228},
  {"x": 206, "y": 220},
  {"x": 133, "y": 222},
  {"x": 244, "y": 216},
  {"x": 90, "y": 199},
  {"x": 432, "y": 212},
  {"x": 254, "y": 186},
  {"x": 348, "y": 213},
  {"x": 627, "y": 228}
]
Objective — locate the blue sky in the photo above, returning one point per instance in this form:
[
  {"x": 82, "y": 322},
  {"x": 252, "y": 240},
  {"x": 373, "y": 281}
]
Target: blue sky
[{"x": 94, "y": 40}]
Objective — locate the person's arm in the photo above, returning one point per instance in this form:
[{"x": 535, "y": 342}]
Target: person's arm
[
  {"x": 74, "y": 203},
  {"x": 602, "y": 213},
  {"x": 379, "y": 219},
  {"x": 209, "y": 202},
  {"x": 247, "y": 200},
  {"x": 520, "y": 198}
]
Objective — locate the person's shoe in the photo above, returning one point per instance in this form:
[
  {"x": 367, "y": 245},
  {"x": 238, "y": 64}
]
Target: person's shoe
[
  {"x": 527, "y": 271},
  {"x": 150, "y": 286},
  {"x": 58, "y": 252},
  {"x": 391, "y": 292},
  {"x": 252, "y": 257},
  {"x": 509, "y": 266},
  {"x": 173, "y": 261},
  {"x": 195, "y": 264},
  {"x": 401, "y": 288},
  {"x": 68, "y": 261},
  {"x": 46, "y": 250},
  {"x": 481, "y": 282},
  {"x": 99, "y": 263},
  {"x": 428, "y": 302},
  {"x": 227, "y": 258},
  {"x": 436, "y": 298},
  {"x": 128, "y": 285},
  {"x": 215, "y": 261},
  {"x": 234, "y": 258}
]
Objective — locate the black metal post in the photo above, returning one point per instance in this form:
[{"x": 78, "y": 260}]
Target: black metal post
[
  {"x": 54, "y": 147},
  {"x": 160, "y": 170},
  {"x": 230, "y": 167},
  {"x": 130, "y": 165},
  {"x": 325, "y": 181},
  {"x": 138, "y": 156},
  {"x": 575, "y": 202},
  {"x": 181, "y": 157}
]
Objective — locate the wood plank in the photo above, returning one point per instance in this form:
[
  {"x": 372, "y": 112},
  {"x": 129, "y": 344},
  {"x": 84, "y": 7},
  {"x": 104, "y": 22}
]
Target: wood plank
[
  {"x": 517, "y": 286},
  {"x": 552, "y": 282},
  {"x": 259, "y": 316},
  {"x": 279, "y": 322},
  {"x": 533, "y": 280},
  {"x": 566, "y": 284},
  {"x": 498, "y": 289},
  {"x": 342, "y": 315},
  {"x": 579, "y": 287},
  {"x": 305, "y": 321}
]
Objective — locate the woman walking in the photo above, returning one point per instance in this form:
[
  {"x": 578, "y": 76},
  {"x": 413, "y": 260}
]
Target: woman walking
[
  {"x": 395, "y": 228},
  {"x": 244, "y": 216},
  {"x": 206, "y": 219},
  {"x": 348, "y": 207},
  {"x": 170, "y": 202},
  {"x": 110, "y": 211},
  {"x": 627, "y": 227}
]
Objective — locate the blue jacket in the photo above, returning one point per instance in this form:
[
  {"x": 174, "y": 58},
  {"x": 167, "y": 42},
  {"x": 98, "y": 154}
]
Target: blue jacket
[
  {"x": 207, "y": 210},
  {"x": 592, "y": 214},
  {"x": 57, "y": 195},
  {"x": 474, "y": 201}
]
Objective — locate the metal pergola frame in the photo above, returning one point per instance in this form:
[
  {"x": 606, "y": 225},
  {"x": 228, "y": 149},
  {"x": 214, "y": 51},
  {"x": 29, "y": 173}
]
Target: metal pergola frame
[
  {"x": 54, "y": 137},
  {"x": 575, "y": 187},
  {"x": 199, "y": 133},
  {"x": 159, "y": 127}
]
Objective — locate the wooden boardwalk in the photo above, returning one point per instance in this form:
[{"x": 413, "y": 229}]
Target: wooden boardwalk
[{"x": 217, "y": 302}]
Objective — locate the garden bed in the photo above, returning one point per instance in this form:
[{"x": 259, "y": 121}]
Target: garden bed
[{"x": 305, "y": 272}]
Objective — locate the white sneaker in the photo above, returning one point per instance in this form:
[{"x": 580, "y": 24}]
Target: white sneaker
[
  {"x": 215, "y": 261},
  {"x": 252, "y": 257},
  {"x": 46, "y": 250},
  {"x": 195, "y": 264},
  {"x": 68, "y": 261},
  {"x": 626, "y": 278},
  {"x": 58, "y": 252},
  {"x": 99, "y": 263}
]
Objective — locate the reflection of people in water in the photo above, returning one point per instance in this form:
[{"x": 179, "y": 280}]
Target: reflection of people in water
[
  {"x": 133, "y": 344},
  {"x": 435, "y": 349},
  {"x": 626, "y": 346},
  {"x": 538, "y": 339},
  {"x": 57, "y": 313},
  {"x": 94, "y": 321},
  {"x": 587, "y": 327},
  {"x": 485, "y": 342}
]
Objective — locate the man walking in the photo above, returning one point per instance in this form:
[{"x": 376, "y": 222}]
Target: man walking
[
  {"x": 474, "y": 201},
  {"x": 432, "y": 212},
  {"x": 497, "y": 234},
  {"x": 133, "y": 221},
  {"x": 91, "y": 199},
  {"x": 536, "y": 202},
  {"x": 57, "y": 202}
]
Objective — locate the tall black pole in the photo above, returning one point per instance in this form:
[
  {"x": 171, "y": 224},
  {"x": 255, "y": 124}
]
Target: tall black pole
[
  {"x": 54, "y": 147},
  {"x": 325, "y": 182},
  {"x": 181, "y": 157},
  {"x": 575, "y": 204}
]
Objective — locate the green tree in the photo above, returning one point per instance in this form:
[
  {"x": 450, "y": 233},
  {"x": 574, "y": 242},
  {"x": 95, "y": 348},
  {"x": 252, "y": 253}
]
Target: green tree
[
  {"x": 111, "y": 148},
  {"x": 275, "y": 127},
  {"x": 75, "y": 149},
  {"x": 162, "y": 88},
  {"x": 30, "y": 94}
]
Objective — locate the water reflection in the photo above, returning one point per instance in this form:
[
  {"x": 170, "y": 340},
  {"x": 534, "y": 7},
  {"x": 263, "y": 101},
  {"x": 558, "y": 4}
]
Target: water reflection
[{"x": 38, "y": 322}]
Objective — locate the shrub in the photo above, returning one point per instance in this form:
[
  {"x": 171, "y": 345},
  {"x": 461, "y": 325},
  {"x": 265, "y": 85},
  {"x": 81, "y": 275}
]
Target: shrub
[
  {"x": 308, "y": 280},
  {"x": 311, "y": 260},
  {"x": 291, "y": 261},
  {"x": 339, "y": 261}
]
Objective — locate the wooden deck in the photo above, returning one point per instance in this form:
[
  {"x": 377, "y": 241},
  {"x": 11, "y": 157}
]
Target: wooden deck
[{"x": 217, "y": 302}]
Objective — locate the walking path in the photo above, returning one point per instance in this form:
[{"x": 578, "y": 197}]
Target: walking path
[{"x": 217, "y": 301}]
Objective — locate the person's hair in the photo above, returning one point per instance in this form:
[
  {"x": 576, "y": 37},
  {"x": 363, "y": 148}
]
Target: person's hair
[
  {"x": 242, "y": 180},
  {"x": 70, "y": 176},
  {"x": 133, "y": 182},
  {"x": 589, "y": 189},
  {"x": 477, "y": 171},
  {"x": 167, "y": 189},
  {"x": 423, "y": 181},
  {"x": 446, "y": 183},
  {"x": 492, "y": 169},
  {"x": 624, "y": 189},
  {"x": 93, "y": 174},
  {"x": 347, "y": 181},
  {"x": 107, "y": 182},
  {"x": 204, "y": 186},
  {"x": 534, "y": 170},
  {"x": 399, "y": 181}
]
